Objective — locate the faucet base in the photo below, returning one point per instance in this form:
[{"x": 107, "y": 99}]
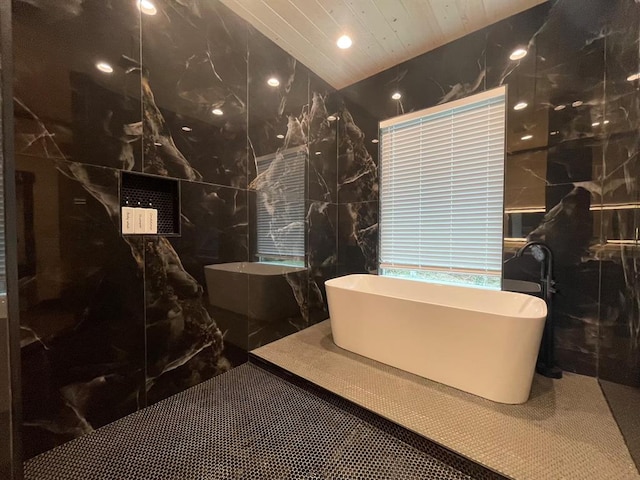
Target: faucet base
[{"x": 551, "y": 372}]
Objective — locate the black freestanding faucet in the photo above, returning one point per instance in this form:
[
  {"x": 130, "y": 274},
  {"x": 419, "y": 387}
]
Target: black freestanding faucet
[{"x": 542, "y": 253}]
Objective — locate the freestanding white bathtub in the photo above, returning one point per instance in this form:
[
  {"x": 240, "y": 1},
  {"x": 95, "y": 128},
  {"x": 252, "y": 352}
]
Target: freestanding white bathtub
[{"x": 480, "y": 341}]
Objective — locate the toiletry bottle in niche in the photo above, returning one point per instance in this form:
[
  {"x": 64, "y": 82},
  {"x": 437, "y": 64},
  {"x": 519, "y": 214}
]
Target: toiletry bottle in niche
[
  {"x": 151, "y": 219},
  {"x": 128, "y": 218},
  {"x": 139, "y": 214}
]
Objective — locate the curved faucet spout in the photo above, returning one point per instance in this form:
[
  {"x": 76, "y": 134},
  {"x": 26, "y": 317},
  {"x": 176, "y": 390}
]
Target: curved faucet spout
[
  {"x": 535, "y": 243},
  {"x": 540, "y": 252}
]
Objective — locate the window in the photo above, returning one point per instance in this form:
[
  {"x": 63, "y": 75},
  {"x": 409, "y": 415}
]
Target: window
[
  {"x": 441, "y": 192},
  {"x": 280, "y": 206}
]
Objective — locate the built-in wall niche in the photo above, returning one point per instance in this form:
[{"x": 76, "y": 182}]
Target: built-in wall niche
[{"x": 158, "y": 199}]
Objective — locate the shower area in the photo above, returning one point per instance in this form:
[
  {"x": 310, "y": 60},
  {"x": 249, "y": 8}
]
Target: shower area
[{"x": 276, "y": 174}]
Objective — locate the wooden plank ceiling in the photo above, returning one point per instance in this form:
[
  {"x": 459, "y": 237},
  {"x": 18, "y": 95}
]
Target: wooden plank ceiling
[{"x": 384, "y": 32}]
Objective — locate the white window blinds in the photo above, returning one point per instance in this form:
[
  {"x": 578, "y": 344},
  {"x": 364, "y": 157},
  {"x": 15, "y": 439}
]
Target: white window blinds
[
  {"x": 441, "y": 192},
  {"x": 280, "y": 189}
]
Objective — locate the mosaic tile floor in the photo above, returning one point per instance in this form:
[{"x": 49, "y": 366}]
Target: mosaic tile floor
[
  {"x": 245, "y": 424},
  {"x": 565, "y": 430}
]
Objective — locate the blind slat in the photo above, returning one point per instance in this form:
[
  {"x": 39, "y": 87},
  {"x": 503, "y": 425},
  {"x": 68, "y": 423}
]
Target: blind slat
[
  {"x": 441, "y": 189},
  {"x": 280, "y": 204}
]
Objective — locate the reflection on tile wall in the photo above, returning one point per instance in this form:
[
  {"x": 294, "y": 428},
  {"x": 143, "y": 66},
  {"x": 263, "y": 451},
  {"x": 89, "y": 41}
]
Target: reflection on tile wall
[
  {"x": 110, "y": 323},
  {"x": 81, "y": 283},
  {"x": 291, "y": 115}
]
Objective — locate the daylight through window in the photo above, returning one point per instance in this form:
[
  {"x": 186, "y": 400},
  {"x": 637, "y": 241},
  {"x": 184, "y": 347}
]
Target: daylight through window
[{"x": 441, "y": 192}]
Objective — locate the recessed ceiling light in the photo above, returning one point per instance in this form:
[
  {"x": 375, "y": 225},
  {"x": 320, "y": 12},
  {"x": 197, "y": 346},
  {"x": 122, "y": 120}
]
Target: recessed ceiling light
[
  {"x": 280, "y": 136},
  {"x": 375, "y": 140},
  {"x": 273, "y": 82},
  {"x": 396, "y": 96},
  {"x": 147, "y": 7},
  {"x": 520, "y": 106},
  {"x": 595, "y": 124},
  {"x": 318, "y": 153},
  {"x": 634, "y": 77},
  {"x": 217, "y": 111},
  {"x": 606, "y": 122},
  {"x": 187, "y": 129},
  {"x": 157, "y": 144},
  {"x": 577, "y": 103},
  {"x": 104, "y": 67},
  {"x": 560, "y": 107},
  {"x": 555, "y": 132},
  {"x": 518, "y": 53},
  {"x": 332, "y": 118},
  {"x": 344, "y": 42},
  {"x": 526, "y": 137}
]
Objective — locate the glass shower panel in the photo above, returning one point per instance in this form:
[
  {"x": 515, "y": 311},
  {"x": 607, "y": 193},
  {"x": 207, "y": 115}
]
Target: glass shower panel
[
  {"x": 619, "y": 326},
  {"x": 5, "y": 395},
  {"x": 6, "y": 430}
]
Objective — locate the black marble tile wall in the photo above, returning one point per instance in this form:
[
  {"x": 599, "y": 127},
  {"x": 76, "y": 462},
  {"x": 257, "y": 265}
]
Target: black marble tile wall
[
  {"x": 111, "y": 323},
  {"x": 82, "y": 305},
  {"x": 357, "y": 185},
  {"x": 195, "y": 92},
  {"x": 194, "y": 105},
  {"x": 291, "y": 109},
  {"x": 278, "y": 91},
  {"x": 77, "y": 123},
  {"x": 619, "y": 335},
  {"x": 619, "y": 316},
  {"x": 358, "y": 237}
]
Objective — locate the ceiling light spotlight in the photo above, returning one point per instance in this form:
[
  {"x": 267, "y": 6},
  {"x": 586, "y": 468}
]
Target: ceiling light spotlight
[
  {"x": 374, "y": 140},
  {"x": 217, "y": 111},
  {"x": 555, "y": 132},
  {"x": 633, "y": 77},
  {"x": 280, "y": 136},
  {"x": 518, "y": 53},
  {"x": 273, "y": 82},
  {"x": 606, "y": 122},
  {"x": 344, "y": 42},
  {"x": 396, "y": 96},
  {"x": 318, "y": 153},
  {"x": 332, "y": 118},
  {"x": 147, "y": 7},
  {"x": 577, "y": 103},
  {"x": 595, "y": 124},
  {"x": 526, "y": 137},
  {"x": 104, "y": 67},
  {"x": 187, "y": 129},
  {"x": 560, "y": 107},
  {"x": 520, "y": 106}
]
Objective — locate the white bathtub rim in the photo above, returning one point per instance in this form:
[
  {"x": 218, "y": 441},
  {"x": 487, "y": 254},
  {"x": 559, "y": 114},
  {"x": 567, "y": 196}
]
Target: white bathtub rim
[{"x": 337, "y": 283}]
